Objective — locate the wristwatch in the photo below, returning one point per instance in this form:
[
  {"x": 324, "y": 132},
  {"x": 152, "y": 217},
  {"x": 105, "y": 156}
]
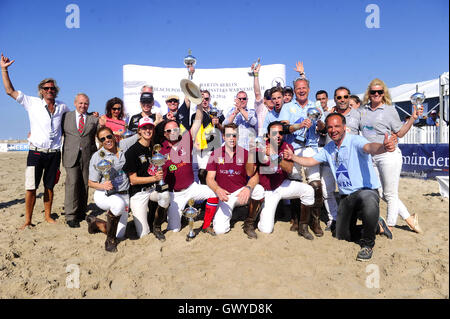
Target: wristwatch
[{"x": 276, "y": 157}]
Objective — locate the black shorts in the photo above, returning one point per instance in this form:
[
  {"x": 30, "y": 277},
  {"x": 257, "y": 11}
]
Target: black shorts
[{"x": 38, "y": 163}]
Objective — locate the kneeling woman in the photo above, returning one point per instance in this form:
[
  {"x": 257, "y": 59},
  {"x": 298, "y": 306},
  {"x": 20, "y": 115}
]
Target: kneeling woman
[
  {"x": 113, "y": 181},
  {"x": 143, "y": 175}
]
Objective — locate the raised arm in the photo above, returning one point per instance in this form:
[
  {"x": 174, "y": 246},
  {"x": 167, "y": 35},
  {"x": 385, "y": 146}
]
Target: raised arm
[
  {"x": 9, "y": 88},
  {"x": 256, "y": 86},
  {"x": 197, "y": 122},
  {"x": 414, "y": 116},
  {"x": 300, "y": 69}
]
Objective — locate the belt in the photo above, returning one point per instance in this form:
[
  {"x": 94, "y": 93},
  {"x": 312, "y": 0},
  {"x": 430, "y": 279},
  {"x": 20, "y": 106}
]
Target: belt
[
  {"x": 301, "y": 143},
  {"x": 147, "y": 189},
  {"x": 43, "y": 150},
  {"x": 123, "y": 192}
]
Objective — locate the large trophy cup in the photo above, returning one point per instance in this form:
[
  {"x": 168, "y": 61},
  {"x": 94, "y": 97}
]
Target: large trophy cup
[
  {"x": 190, "y": 213},
  {"x": 313, "y": 115},
  {"x": 104, "y": 166},
  {"x": 252, "y": 69},
  {"x": 159, "y": 160},
  {"x": 417, "y": 99},
  {"x": 190, "y": 90}
]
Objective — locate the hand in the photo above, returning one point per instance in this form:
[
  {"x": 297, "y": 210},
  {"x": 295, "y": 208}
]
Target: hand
[
  {"x": 222, "y": 194},
  {"x": 95, "y": 114},
  {"x": 388, "y": 143},
  {"x": 288, "y": 154},
  {"x": 170, "y": 116},
  {"x": 102, "y": 121},
  {"x": 158, "y": 176},
  {"x": 320, "y": 125},
  {"x": 394, "y": 138},
  {"x": 299, "y": 67},
  {"x": 416, "y": 112},
  {"x": 258, "y": 67},
  {"x": 191, "y": 69},
  {"x": 107, "y": 185},
  {"x": 5, "y": 62},
  {"x": 215, "y": 120},
  {"x": 306, "y": 123},
  {"x": 244, "y": 196}
]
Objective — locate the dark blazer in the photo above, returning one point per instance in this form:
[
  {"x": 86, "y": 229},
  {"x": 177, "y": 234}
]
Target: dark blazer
[{"x": 73, "y": 140}]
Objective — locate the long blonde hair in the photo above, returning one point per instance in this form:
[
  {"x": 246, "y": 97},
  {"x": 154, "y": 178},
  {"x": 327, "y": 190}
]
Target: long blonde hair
[{"x": 386, "y": 97}]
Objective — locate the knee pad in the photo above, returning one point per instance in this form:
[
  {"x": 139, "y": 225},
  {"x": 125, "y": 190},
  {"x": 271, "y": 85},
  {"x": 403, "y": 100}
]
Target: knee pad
[{"x": 318, "y": 197}]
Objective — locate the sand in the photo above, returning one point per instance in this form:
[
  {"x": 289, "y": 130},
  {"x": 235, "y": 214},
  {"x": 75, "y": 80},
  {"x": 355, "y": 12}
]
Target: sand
[{"x": 55, "y": 261}]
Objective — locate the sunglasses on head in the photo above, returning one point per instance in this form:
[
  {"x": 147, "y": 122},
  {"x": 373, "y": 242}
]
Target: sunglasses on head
[
  {"x": 46, "y": 88},
  {"x": 342, "y": 97},
  {"x": 109, "y": 137},
  {"x": 373, "y": 92},
  {"x": 230, "y": 135},
  {"x": 175, "y": 130}
]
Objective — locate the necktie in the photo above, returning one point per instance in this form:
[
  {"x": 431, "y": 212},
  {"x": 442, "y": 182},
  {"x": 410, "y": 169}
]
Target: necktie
[{"x": 81, "y": 124}]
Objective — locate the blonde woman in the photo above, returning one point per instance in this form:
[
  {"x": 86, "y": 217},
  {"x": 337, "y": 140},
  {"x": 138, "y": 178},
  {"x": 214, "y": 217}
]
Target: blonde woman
[{"x": 379, "y": 116}]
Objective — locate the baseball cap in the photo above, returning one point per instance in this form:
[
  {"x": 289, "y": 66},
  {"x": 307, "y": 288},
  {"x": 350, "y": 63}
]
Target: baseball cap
[
  {"x": 433, "y": 112},
  {"x": 147, "y": 97},
  {"x": 145, "y": 121},
  {"x": 172, "y": 97},
  {"x": 288, "y": 89}
]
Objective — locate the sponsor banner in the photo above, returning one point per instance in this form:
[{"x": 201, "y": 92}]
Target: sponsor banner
[
  {"x": 223, "y": 84},
  {"x": 18, "y": 147},
  {"x": 424, "y": 160}
]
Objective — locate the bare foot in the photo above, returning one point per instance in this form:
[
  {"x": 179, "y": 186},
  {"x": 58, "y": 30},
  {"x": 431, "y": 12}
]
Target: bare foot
[
  {"x": 50, "y": 220},
  {"x": 27, "y": 224}
]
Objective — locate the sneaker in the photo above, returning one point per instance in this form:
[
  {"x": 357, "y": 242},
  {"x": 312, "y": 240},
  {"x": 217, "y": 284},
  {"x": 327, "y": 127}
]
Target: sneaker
[
  {"x": 364, "y": 254},
  {"x": 386, "y": 231}
]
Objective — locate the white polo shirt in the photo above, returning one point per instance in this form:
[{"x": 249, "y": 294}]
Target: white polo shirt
[{"x": 45, "y": 128}]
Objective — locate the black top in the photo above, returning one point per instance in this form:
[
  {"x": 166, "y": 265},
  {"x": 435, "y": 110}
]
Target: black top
[
  {"x": 134, "y": 121},
  {"x": 138, "y": 160}
]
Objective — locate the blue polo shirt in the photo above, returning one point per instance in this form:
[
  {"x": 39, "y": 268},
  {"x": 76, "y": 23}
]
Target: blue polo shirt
[
  {"x": 295, "y": 114},
  {"x": 351, "y": 166},
  {"x": 272, "y": 116}
]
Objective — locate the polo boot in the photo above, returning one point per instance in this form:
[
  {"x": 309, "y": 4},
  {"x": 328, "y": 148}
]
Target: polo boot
[
  {"x": 160, "y": 217},
  {"x": 111, "y": 229},
  {"x": 314, "y": 222},
  {"x": 95, "y": 225},
  {"x": 295, "y": 212},
  {"x": 303, "y": 222},
  {"x": 254, "y": 207}
]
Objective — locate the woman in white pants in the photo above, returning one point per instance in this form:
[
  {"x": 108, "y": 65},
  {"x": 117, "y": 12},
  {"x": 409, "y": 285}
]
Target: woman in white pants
[
  {"x": 143, "y": 176},
  {"x": 111, "y": 189},
  {"x": 379, "y": 117}
]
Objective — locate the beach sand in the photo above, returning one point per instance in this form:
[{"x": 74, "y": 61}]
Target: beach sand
[{"x": 44, "y": 261}]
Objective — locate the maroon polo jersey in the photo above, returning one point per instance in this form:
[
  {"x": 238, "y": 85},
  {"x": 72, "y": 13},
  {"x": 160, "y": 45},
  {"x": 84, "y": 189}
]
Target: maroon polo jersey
[
  {"x": 271, "y": 176},
  {"x": 178, "y": 173},
  {"x": 230, "y": 171}
]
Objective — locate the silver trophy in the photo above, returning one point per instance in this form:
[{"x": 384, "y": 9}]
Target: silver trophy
[
  {"x": 189, "y": 61},
  {"x": 252, "y": 69},
  {"x": 417, "y": 99},
  {"x": 127, "y": 132},
  {"x": 190, "y": 213},
  {"x": 159, "y": 160},
  {"x": 105, "y": 166},
  {"x": 313, "y": 115},
  {"x": 214, "y": 111}
]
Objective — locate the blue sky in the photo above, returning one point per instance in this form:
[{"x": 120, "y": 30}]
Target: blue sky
[{"x": 330, "y": 37}]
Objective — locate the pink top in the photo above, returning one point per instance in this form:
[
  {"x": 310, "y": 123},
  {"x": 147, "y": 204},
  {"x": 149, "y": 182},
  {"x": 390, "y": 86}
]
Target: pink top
[{"x": 117, "y": 126}]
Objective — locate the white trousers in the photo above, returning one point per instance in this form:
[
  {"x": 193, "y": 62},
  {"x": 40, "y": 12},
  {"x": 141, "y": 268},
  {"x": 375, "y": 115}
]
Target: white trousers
[
  {"x": 221, "y": 222},
  {"x": 118, "y": 205},
  {"x": 388, "y": 167},
  {"x": 312, "y": 173},
  {"x": 287, "y": 190},
  {"x": 328, "y": 188},
  {"x": 178, "y": 201},
  {"x": 199, "y": 161},
  {"x": 139, "y": 208}
]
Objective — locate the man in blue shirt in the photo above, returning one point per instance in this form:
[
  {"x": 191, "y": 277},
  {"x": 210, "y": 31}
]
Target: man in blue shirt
[{"x": 349, "y": 157}]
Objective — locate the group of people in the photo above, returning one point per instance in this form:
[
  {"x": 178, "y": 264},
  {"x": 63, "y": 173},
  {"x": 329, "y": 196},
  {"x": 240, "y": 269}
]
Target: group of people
[{"x": 253, "y": 157}]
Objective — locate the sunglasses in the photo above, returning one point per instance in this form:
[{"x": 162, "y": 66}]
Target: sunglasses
[
  {"x": 206, "y": 98},
  {"x": 172, "y": 101},
  {"x": 46, "y": 88},
  {"x": 242, "y": 98},
  {"x": 116, "y": 108},
  {"x": 373, "y": 92},
  {"x": 342, "y": 97},
  {"x": 275, "y": 133},
  {"x": 230, "y": 135},
  {"x": 175, "y": 130},
  {"x": 109, "y": 137}
]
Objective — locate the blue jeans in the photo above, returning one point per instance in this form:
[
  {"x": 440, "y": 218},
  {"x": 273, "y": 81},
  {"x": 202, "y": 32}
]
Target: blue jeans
[{"x": 365, "y": 205}]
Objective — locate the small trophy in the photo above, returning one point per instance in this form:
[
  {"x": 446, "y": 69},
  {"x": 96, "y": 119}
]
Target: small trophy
[
  {"x": 190, "y": 213},
  {"x": 252, "y": 69},
  {"x": 313, "y": 114},
  {"x": 127, "y": 132},
  {"x": 159, "y": 160},
  {"x": 104, "y": 166},
  {"x": 214, "y": 111},
  {"x": 189, "y": 61}
]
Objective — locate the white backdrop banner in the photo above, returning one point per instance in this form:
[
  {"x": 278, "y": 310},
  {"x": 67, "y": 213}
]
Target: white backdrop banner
[{"x": 223, "y": 84}]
